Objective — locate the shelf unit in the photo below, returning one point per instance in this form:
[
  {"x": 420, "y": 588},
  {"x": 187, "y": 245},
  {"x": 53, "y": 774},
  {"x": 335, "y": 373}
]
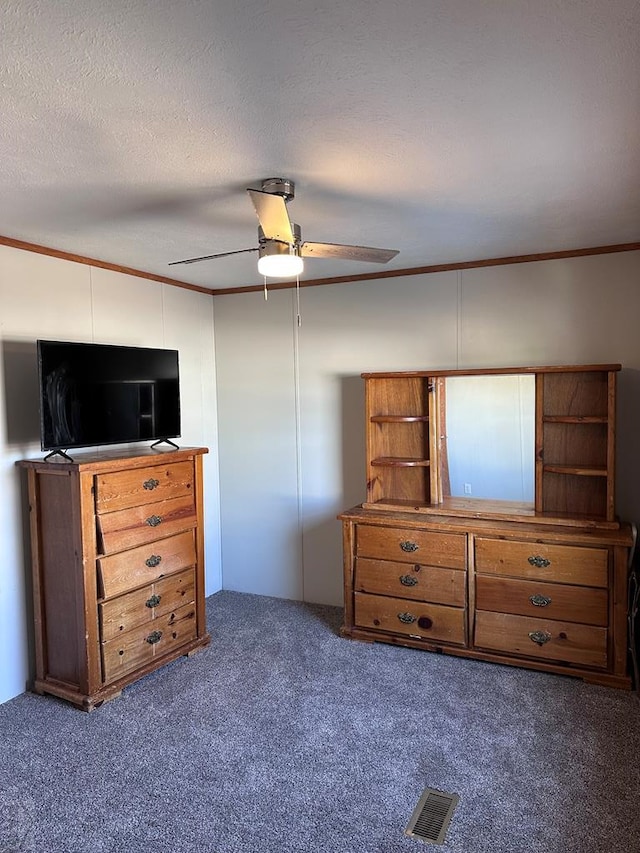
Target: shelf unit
[
  {"x": 574, "y": 444},
  {"x": 575, "y": 440},
  {"x": 399, "y": 439}
]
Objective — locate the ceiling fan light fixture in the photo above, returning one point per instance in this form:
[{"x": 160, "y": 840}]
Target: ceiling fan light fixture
[
  {"x": 279, "y": 260},
  {"x": 280, "y": 246}
]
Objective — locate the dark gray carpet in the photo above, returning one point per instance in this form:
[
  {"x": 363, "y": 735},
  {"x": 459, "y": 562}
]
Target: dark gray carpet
[{"x": 283, "y": 737}]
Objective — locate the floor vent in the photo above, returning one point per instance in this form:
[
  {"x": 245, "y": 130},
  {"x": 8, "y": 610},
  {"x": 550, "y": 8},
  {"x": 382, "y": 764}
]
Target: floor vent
[{"x": 431, "y": 817}]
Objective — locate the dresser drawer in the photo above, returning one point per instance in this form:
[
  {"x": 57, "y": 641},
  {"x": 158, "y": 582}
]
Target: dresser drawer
[
  {"x": 565, "y": 563},
  {"x": 141, "y": 566},
  {"x": 137, "y": 486},
  {"x": 536, "y": 598},
  {"x": 130, "y": 527},
  {"x": 421, "y": 547},
  {"x": 564, "y": 642},
  {"x": 122, "y": 614},
  {"x": 420, "y": 583},
  {"x": 140, "y": 646},
  {"x": 414, "y": 619}
]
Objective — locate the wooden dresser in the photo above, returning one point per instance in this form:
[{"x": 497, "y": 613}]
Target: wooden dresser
[
  {"x": 118, "y": 568},
  {"x": 540, "y": 584}
]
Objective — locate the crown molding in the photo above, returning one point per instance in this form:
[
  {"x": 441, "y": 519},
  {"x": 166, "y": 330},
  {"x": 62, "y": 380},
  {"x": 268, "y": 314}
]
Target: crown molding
[{"x": 317, "y": 282}]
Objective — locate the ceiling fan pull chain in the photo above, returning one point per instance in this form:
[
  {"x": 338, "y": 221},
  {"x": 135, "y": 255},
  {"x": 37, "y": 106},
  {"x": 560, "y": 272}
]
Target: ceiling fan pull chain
[
  {"x": 298, "y": 300},
  {"x": 266, "y": 292}
]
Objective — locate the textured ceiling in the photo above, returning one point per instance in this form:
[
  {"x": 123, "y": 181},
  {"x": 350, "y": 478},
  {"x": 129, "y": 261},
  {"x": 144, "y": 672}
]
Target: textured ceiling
[{"x": 452, "y": 131}]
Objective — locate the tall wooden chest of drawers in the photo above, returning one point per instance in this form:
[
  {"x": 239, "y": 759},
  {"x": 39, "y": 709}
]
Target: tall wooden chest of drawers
[{"x": 117, "y": 546}]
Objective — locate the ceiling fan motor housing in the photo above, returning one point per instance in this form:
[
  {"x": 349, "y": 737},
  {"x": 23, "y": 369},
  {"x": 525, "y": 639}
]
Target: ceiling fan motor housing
[
  {"x": 282, "y": 247},
  {"x": 279, "y": 186}
]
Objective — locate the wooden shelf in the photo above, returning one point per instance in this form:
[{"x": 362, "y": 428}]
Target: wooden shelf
[
  {"x": 400, "y": 462},
  {"x": 575, "y": 470},
  {"x": 490, "y": 510},
  {"x": 573, "y": 419},
  {"x": 399, "y": 419}
]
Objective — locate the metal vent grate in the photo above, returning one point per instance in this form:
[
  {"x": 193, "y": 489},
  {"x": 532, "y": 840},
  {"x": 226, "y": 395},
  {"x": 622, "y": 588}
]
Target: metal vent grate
[{"x": 431, "y": 817}]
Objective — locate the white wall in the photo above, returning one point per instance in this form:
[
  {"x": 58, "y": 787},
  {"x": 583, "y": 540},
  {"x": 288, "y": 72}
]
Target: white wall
[
  {"x": 291, "y": 402},
  {"x": 44, "y": 297},
  {"x": 257, "y": 428}
]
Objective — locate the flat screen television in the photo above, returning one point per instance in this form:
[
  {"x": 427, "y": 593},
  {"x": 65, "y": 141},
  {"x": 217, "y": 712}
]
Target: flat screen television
[{"x": 97, "y": 394}]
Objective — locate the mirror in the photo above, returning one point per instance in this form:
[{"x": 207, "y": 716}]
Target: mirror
[{"x": 488, "y": 444}]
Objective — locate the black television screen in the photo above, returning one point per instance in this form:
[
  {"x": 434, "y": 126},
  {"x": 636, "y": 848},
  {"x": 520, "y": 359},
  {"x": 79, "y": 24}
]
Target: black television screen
[{"x": 94, "y": 394}]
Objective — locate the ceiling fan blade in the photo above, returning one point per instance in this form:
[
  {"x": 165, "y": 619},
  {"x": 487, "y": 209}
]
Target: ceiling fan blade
[
  {"x": 212, "y": 257},
  {"x": 348, "y": 253},
  {"x": 272, "y": 215}
]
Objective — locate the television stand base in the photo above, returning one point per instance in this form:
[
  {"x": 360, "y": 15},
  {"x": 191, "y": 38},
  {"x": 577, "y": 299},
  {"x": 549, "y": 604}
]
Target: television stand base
[
  {"x": 62, "y": 453},
  {"x": 172, "y": 444}
]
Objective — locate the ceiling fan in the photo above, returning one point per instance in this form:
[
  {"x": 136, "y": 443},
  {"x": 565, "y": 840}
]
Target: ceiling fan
[{"x": 280, "y": 246}]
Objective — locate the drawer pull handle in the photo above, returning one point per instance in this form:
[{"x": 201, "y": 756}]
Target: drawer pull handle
[
  {"x": 539, "y": 562},
  {"x": 539, "y": 600},
  {"x": 154, "y": 520},
  {"x": 153, "y": 561},
  {"x": 154, "y": 601},
  {"x": 154, "y": 637},
  {"x": 150, "y": 485},
  {"x": 407, "y": 618},
  {"x": 409, "y": 547},
  {"x": 408, "y": 580},
  {"x": 539, "y": 637}
]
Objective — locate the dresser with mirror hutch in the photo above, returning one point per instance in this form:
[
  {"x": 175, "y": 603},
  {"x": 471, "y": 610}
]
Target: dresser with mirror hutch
[{"x": 489, "y": 528}]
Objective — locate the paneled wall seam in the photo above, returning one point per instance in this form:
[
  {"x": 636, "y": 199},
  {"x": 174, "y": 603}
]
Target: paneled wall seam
[
  {"x": 296, "y": 320},
  {"x": 458, "y": 316},
  {"x": 162, "y": 316},
  {"x": 93, "y": 324}
]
